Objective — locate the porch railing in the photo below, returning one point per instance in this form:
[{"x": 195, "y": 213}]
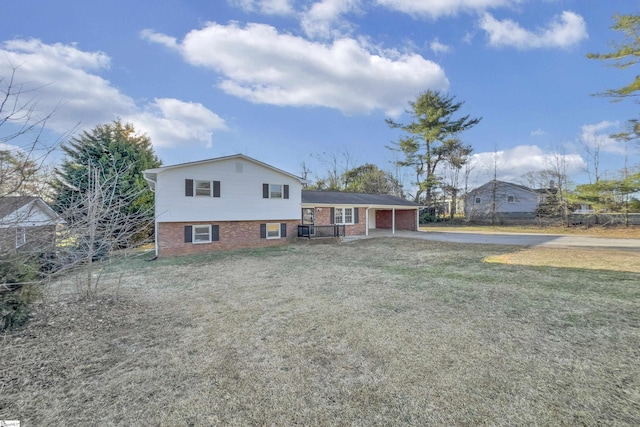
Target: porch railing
[{"x": 313, "y": 231}]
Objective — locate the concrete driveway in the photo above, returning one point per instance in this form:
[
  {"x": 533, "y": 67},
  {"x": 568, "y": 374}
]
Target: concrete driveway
[{"x": 519, "y": 239}]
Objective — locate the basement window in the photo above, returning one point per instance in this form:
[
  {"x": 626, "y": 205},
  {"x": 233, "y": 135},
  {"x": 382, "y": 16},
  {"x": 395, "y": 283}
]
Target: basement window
[
  {"x": 273, "y": 230},
  {"x": 201, "y": 233}
]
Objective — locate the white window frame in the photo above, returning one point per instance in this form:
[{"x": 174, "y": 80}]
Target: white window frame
[
  {"x": 201, "y": 181},
  {"x": 340, "y": 216},
  {"x": 274, "y": 193},
  {"x": 273, "y": 225},
  {"x": 194, "y": 234},
  {"x": 477, "y": 201},
  {"x": 511, "y": 199},
  {"x": 21, "y": 236}
]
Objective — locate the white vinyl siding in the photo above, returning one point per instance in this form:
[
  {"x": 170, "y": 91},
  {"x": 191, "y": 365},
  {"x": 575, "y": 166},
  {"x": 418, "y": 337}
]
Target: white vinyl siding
[{"x": 240, "y": 198}]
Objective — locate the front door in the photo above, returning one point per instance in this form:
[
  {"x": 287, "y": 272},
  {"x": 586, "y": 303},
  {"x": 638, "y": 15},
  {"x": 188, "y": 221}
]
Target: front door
[{"x": 308, "y": 218}]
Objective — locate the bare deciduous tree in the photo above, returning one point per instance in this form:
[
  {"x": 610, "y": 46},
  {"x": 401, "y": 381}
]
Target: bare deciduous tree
[
  {"x": 98, "y": 226},
  {"x": 23, "y": 151}
]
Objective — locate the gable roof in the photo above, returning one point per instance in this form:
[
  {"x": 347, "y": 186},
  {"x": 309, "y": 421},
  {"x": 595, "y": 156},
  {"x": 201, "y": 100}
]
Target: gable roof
[
  {"x": 505, "y": 184},
  {"x": 11, "y": 204},
  {"x": 151, "y": 174},
  {"x": 342, "y": 198}
]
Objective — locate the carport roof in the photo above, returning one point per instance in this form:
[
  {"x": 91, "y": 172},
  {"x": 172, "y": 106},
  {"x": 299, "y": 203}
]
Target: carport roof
[{"x": 315, "y": 197}]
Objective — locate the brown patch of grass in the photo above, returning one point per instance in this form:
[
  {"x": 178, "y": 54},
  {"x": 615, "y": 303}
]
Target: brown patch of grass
[
  {"x": 371, "y": 332},
  {"x": 592, "y": 259}
]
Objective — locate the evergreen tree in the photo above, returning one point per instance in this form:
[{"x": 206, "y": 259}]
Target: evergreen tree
[
  {"x": 624, "y": 55},
  {"x": 115, "y": 153},
  {"x": 432, "y": 139}
]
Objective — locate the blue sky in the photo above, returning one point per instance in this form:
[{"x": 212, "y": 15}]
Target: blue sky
[{"x": 289, "y": 81}]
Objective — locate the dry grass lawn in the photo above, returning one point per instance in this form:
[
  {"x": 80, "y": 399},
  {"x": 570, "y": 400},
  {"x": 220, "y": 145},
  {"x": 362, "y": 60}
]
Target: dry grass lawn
[{"x": 374, "y": 332}]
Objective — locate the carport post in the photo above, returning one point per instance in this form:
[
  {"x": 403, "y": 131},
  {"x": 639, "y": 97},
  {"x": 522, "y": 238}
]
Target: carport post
[
  {"x": 393, "y": 221},
  {"x": 366, "y": 222}
]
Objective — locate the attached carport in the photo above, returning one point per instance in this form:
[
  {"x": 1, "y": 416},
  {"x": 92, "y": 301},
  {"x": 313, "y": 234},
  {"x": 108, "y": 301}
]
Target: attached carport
[{"x": 381, "y": 211}]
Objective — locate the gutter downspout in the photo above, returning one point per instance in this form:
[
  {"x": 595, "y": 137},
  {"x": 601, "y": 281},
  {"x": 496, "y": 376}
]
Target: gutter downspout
[{"x": 155, "y": 210}]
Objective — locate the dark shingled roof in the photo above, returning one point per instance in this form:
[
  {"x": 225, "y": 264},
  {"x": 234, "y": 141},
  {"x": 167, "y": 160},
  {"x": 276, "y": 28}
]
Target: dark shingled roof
[{"x": 341, "y": 198}]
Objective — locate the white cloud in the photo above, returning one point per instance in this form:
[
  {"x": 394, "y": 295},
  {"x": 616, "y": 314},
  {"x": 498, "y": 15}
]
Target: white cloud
[
  {"x": 263, "y": 66},
  {"x": 438, "y": 47},
  {"x": 592, "y": 136},
  {"x": 564, "y": 31},
  {"x": 511, "y": 165},
  {"x": 324, "y": 16},
  {"x": 438, "y": 8},
  {"x": 170, "y": 122},
  {"x": 268, "y": 7},
  {"x": 538, "y": 132},
  {"x": 64, "y": 80},
  {"x": 163, "y": 39}
]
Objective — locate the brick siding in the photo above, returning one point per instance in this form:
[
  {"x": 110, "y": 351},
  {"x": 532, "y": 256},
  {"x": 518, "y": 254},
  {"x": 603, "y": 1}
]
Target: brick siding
[
  {"x": 323, "y": 217},
  {"x": 233, "y": 235},
  {"x": 405, "y": 219}
]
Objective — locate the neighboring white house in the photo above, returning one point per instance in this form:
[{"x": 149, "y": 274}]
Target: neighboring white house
[
  {"x": 27, "y": 224},
  {"x": 499, "y": 199},
  {"x": 223, "y": 203}
]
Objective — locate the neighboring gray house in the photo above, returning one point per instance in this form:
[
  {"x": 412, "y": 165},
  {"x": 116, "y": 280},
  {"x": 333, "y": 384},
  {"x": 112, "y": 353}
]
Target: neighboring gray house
[{"x": 499, "y": 200}]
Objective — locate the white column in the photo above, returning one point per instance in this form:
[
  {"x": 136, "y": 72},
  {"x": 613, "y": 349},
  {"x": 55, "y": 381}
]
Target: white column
[
  {"x": 366, "y": 224},
  {"x": 393, "y": 221}
]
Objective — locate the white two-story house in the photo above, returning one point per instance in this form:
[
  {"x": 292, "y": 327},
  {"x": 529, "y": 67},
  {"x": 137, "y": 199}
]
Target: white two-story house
[{"x": 223, "y": 203}]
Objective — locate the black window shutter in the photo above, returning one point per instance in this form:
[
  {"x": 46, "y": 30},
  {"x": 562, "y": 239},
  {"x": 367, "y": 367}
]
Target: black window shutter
[
  {"x": 263, "y": 231},
  {"x": 332, "y": 219},
  {"x": 188, "y": 187},
  {"x": 355, "y": 215},
  {"x": 216, "y": 188},
  {"x": 283, "y": 229},
  {"x": 286, "y": 191},
  {"x": 265, "y": 191},
  {"x": 215, "y": 233},
  {"x": 188, "y": 234}
]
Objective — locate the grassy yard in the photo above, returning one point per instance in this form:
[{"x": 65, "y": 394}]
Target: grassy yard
[{"x": 372, "y": 332}]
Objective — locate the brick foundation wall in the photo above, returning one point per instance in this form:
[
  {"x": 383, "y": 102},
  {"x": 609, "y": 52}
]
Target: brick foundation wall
[
  {"x": 405, "y": 220},
  {"x": 233, "y": 235}
]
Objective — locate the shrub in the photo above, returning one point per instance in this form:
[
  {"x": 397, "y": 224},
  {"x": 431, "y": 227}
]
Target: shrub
[{"x": 15, "y": 293}]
